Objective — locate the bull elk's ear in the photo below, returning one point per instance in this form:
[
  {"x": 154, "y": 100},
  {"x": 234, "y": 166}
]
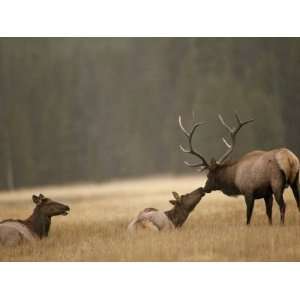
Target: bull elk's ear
[
  {"x": 173, "y": 202},
  {"x": 176, "y": 196},
  {"x": 36, "y": 199},
  {"x": 213, "y": 164}
]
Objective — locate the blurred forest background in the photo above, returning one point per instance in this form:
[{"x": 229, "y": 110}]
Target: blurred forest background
[{"x": 93, "y": 109}]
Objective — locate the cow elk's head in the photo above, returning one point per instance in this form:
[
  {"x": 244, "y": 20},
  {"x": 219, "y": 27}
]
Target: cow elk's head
[
  {"x": 177, "y": 202},
  {"x": 187, "y": 202},
  {"x": 214, "y": 166},
  {"x": 49, "y": 207}
]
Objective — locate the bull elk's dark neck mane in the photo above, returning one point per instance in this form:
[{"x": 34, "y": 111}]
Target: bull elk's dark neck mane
[{"x": 225, "y": 176}]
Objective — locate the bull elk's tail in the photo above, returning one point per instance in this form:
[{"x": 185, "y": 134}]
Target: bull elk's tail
[{"x": 289, "y": 164}]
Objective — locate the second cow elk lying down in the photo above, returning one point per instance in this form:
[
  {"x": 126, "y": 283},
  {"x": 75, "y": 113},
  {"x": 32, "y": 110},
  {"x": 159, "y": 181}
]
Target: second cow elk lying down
[
  {"x": 37, "y": 226},
  {"x": 257, "y": 174},
  {"x": 157, "y": 220}
]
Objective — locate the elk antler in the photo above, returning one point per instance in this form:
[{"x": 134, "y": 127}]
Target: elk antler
[
  {"x": 203, "y": 164},
  {"x": 232, "y": 132}
]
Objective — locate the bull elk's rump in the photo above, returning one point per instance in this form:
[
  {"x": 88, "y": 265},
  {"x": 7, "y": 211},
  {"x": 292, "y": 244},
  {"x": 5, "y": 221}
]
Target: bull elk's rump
[{"x": 288, "y": 163}]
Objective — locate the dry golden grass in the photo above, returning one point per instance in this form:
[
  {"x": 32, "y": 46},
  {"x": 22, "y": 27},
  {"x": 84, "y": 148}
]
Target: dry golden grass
[{"x": 95, "y": 230}]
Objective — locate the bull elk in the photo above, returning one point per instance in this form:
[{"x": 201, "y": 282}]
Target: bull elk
[
  {"x": 157, "y": 220},
  {"x": 37, "y": 226},
  {"x": 257, "y": 174}
]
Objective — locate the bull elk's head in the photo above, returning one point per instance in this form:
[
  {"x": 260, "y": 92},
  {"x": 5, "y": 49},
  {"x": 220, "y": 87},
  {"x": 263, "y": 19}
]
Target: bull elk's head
[{"x": 213, "y": 181}]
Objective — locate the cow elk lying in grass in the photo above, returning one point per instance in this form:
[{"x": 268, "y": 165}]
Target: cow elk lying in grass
[
  {"x": 257, "y": 174},
  {"x": 157, "y": 220},
  {"x": 37, "y": 226}
]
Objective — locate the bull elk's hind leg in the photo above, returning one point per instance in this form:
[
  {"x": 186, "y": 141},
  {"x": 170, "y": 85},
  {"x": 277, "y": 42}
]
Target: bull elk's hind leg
[
  {"x": 295, "y": 190},
  {"x": 278, "y": 185},
  {"x": 280, "y": 201},
  {"x": 269, "y": 205},
  {"x": 250, "y": 204}
]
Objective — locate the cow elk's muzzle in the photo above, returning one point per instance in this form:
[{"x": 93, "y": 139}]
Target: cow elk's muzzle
[{"x": 66, "y": 210}]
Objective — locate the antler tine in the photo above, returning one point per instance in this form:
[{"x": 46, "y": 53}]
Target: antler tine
[
  {"x": 191, "y": 150},
  {"x": 237, "y": 118},
  {"x": 196, "y": 165},
  {"x": 182, "y": 128},
  {"x": 183, "y": 149},
  {"x": 240, "y": 123},
  {"x": 232, "y": 132},
  {"x": 224, "y": 124},
  {"x": 226, "y": 143}
]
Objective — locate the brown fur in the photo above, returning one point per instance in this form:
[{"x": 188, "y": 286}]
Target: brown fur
[
  {"x": 258, "y": 174},
  {"x": 157, "y": 220},
  {"x": 37, "y": 226},
  {"x": 288, "y": 163}
]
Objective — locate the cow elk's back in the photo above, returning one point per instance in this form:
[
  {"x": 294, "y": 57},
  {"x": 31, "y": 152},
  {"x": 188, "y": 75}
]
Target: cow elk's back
[
  {"x": 14, "y": 233},
  {"x": 157, "y": 220}
]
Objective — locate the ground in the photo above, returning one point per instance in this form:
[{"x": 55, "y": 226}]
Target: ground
[{"x": 95, "y": 230}]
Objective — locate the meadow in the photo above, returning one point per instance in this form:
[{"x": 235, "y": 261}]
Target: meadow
[{"x": 95, "y": 229}]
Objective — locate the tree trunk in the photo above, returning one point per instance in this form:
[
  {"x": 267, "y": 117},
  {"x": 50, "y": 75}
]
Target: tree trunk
[{"x": 10, "y": 180}]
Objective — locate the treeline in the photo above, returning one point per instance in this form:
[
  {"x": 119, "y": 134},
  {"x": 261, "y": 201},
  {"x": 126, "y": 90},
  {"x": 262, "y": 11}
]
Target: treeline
[{"x": 91, "y": 109}]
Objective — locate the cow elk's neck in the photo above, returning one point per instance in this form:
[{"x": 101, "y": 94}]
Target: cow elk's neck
[
  {"x": 39, "y": 223},
  {"x": 177, "y": 217}
]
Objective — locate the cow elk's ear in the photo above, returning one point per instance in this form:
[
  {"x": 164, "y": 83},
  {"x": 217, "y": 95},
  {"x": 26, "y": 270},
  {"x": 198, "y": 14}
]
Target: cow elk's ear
[
  {"x": 36, "y": 199},
  {"x": 42, "y": 196},
  {"x": 173, "y": 202},
  {"x": 202, "y": 192},
  {"x": 176, "y": 196}
]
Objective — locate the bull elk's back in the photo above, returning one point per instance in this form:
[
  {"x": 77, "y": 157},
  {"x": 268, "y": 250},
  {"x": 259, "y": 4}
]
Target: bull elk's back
[{"x": 256, "y": 168}]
